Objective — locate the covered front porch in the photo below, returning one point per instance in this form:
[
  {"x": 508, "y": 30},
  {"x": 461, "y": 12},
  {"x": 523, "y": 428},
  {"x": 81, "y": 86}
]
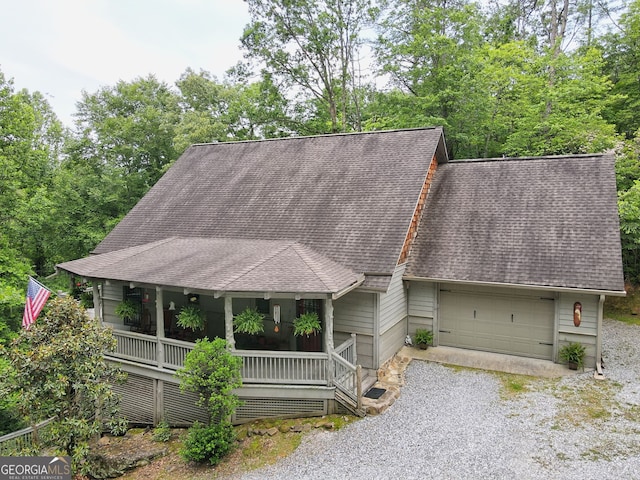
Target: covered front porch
[
  {"x": 307, "y": 378},
  {"x": 221, "y": 278}
]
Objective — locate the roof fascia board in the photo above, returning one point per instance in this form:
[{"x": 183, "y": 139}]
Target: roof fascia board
[
  {"x": 613, "y": 293},
  {"x": 346, "y": 290}
]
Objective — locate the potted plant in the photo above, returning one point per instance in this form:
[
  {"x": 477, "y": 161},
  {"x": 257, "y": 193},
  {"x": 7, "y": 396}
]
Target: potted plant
[
  {"x": 307, "y": 324},
  {"x": 190, "y": 317},
  {"x": 249, "y": 321},
  {"x": 573, "y": 354},
  {"x": 127, "y": 310},
  {"x": 424, "y": 338}
]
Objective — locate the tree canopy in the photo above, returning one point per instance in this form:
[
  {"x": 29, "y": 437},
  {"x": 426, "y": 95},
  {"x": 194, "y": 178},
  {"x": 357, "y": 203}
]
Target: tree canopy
[{"x": 516, "y": 77}]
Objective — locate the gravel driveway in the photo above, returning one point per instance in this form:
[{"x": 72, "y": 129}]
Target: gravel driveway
[{"x": 462, "y": 424}]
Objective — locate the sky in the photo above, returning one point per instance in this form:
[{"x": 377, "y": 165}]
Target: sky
[{"x": 62, "y": 47}]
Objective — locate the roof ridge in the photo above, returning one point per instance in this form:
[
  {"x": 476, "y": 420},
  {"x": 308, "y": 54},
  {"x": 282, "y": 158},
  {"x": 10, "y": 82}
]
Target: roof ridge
[
  {"x": 253, "y": 266},
  {"x": 303, "y": 137},
  {"x": 518, "y": 159}
]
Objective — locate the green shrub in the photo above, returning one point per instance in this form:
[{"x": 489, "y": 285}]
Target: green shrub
[
  {"x": 162, "y": 432},
  {"x": 424, "y": 336},
  {"x": 208, "y": 442}
]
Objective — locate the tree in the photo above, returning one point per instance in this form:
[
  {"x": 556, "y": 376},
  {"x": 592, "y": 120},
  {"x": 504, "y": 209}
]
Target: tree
[
  {"x": 628, "y": 183},
  {"x": 128, "y": 131},
  {"x": 430, "y": 49},
  {"x": 313, "y": 47},
  {"x": 59, "y": 372},
  {"x": 623, "y": 64},
  {"x": 212, "y": 372}
]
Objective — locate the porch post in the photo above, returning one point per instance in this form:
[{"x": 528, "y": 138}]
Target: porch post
[
  {"x": 228, "y": 322},
  {"x": 328, "y": 337},
  {"x": 97, "y": 303},
  {"x": 159, "y": 327}
]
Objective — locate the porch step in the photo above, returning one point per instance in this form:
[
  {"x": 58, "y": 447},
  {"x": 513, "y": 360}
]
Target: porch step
[{"x": 348, "y": 403}]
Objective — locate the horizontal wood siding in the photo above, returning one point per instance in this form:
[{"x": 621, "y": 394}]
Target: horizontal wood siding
[
  {"x": 586, "y": 333},
  {"x": 111, "y": 297},
  {"x": 393, "y": 303},
  {"x": 364, "y": 347},
  {"x": 354, "y": 313},
  {"x": 391, "y": 341},
  {"x": 422, "y": 305}
]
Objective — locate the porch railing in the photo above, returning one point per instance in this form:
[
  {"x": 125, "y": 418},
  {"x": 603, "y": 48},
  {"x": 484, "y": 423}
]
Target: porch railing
[
  {"x": 347, "y": 350},
  {"x": 136, "y": 347},
  {"x": 298, "y": 368},
  {"x": 175, "y": 352},
  {"x": 258, "y": 366}
]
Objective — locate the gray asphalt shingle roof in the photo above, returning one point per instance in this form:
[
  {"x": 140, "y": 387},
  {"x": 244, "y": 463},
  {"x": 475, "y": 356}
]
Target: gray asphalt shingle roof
[
  {"x": 221, "y": 265},
  {"x": 548, "y": 221},
  {"x": 349, "y": 197}
]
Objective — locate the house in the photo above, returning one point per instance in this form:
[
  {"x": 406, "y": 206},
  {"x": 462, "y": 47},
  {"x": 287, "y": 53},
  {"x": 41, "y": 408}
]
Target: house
[{"x": 379, "y": 234}]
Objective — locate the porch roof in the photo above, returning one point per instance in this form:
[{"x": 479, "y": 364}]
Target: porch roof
[{"x": 221, "y": 265}]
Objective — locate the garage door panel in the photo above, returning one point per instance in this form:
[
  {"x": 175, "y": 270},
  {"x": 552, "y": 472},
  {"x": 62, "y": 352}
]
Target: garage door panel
[{"x": 497, "y": 322}]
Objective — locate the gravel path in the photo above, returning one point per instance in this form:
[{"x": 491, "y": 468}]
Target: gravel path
[{"x": 463, "y": 424}]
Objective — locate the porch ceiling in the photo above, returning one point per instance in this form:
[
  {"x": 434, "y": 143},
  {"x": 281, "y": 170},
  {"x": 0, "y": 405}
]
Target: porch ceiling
[{"x": 221, "y": 265}]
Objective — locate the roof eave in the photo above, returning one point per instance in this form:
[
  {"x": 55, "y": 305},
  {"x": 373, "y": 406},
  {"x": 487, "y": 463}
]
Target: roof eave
[{"x": 612, "y": 293}]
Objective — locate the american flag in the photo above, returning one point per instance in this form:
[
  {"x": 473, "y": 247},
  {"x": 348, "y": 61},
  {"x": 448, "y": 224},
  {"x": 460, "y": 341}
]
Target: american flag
[{"x": 37, "y": 296}]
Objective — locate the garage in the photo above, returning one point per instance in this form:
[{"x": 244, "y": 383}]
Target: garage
[{"x": 514, "y": 322}]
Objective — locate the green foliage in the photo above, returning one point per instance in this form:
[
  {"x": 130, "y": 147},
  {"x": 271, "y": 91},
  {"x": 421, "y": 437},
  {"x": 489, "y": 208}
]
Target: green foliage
[
  {"x": 191, "y": 317},
  {"x": 211, "y": 371},
  {"x": 423, "y": 336},
  {"x": 307, "y": 324},
  {"x": 208, "y": 442},
  {"x": 573, "y": 353},
  {"x": 126, "y": 310},
  {"x": 314, "y": 47},
  {"x": 59, "y": 371},
  {"x": 249, "y": 321},
  {"x": 628, "y": 181},
  {"x": 162, "y": 432}
]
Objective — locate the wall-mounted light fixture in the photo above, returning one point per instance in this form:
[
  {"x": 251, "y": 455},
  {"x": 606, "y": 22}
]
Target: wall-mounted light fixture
[{"x": 577, "y": 313}]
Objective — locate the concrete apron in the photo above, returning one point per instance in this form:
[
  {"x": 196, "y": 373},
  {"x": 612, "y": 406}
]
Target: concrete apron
[{"x": 489, "y": 361}]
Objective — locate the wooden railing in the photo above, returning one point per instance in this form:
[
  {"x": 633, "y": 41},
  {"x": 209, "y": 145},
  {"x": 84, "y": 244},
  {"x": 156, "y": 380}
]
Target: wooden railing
[
  {"x": 347, "y": 350},
  {"x": 175, "y": 352},
  {"x": 16, "y": 443},
  {"x": 347, "y": 375},
  {"x": 136, "y": 347},
  {"x": 290, "y": 368},
  {"x": 258, "y": 366}
]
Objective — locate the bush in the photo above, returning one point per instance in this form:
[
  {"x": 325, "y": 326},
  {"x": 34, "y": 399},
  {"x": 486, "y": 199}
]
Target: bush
[
  {"x": 162, "y": 432},
  {"x": 208, "y": 442}
]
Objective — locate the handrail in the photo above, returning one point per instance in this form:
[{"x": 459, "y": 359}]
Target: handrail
[{"x": 10, "y": 443}]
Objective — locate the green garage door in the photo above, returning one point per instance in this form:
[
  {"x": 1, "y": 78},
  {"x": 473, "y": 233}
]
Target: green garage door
[{"x": 496, "y": 321}]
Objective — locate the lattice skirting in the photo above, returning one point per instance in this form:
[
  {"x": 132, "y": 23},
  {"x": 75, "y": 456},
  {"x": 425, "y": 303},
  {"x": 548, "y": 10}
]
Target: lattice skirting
[{"x": 253, "y": 408}]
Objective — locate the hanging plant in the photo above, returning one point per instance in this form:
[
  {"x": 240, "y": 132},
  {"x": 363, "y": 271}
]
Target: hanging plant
[
  {"x": 249, "y": 321},
  {"x": 307, "y": 324},
  {"x": 190, "y": 317},
  {"x": 127, "y": 310}
]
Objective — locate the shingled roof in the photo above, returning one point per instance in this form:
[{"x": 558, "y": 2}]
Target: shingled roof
[
  {"x": 349, "y": 197},
  {"x": 221, "y": 265},
  {"x": 546, "y": 221}
]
